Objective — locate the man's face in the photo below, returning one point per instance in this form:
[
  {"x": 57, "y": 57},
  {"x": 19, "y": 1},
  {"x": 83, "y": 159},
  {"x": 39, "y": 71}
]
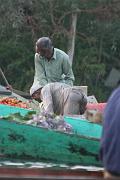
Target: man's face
[
  {"x": 36, "y": 94},
  {"x": 44, "y": 52}
]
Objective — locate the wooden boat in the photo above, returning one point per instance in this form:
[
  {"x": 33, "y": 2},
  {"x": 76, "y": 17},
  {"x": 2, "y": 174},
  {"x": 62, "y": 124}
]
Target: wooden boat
[
  {"x": 27, "y": 142},
  {"x": 47, "y": 173}
]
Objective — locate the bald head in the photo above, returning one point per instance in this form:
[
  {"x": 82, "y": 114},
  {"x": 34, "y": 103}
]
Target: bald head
[
  {"x": 44, "y": 47},
  {"x": 44, "y": 42}
]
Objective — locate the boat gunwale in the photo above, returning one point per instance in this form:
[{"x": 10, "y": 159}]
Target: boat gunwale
[{"x": 35, "y": 173}]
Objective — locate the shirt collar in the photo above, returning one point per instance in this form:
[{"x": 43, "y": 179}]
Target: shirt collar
[{"x": 54, "y": 55}]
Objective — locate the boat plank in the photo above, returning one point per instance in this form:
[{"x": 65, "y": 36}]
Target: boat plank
[{"x": 46, "y": 173}]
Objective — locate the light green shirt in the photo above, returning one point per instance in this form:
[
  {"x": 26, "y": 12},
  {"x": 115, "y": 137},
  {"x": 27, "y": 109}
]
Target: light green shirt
[{"x": 58, "y": 69}]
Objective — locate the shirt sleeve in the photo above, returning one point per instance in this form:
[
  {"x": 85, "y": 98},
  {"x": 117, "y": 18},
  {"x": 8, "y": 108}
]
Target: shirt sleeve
[
  {"x": 67, "y": 70},
  {"x": 39, "y": 72}
]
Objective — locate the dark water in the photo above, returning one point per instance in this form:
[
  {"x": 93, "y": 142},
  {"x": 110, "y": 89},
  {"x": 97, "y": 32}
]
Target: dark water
[{"x": 27, "y": 164}]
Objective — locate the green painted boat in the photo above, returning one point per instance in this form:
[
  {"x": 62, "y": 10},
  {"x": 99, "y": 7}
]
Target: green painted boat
[{"x": 27, "y": 142}]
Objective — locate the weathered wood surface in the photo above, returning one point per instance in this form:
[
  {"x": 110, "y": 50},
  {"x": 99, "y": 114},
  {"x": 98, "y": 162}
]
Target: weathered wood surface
[{"x": 37, "y": 173}]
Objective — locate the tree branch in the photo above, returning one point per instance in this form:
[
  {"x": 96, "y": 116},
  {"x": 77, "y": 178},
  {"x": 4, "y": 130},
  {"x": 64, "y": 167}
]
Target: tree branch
[
  {"x": 51, "y": 13},
  {"x": 98, "y": 10}
]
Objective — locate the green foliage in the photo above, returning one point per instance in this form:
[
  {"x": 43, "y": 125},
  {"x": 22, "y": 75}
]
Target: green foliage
[
  {"x": 17, "y": 64},
  {"x": 97, "y": 43},
  {"x": 17, "y": 117}
]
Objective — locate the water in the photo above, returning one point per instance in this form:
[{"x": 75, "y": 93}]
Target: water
[{"x": 28, "y": 164}]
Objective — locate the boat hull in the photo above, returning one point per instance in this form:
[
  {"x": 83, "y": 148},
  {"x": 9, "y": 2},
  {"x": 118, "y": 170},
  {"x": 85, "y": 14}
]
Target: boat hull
[
  {"x": 27, "y": 142},
  {"x": 46, "y": 173}
]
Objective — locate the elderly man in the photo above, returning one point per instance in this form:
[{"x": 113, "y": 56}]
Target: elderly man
[
  {"x": 51, "y": 64},
  {"x": 60, "y": 98}
]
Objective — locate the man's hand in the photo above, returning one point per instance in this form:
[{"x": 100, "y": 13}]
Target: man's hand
[{"x": 9, "y": 87}]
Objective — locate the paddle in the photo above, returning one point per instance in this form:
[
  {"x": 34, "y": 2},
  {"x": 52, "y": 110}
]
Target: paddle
[
  {"x": 20, "y": 94},
  {"x": 9, "y": 87}
]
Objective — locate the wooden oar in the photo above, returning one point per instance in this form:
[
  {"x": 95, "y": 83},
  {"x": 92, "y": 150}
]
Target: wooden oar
[
  {"x": 20, "y": 94},
  {"x": 9, "y": 87}
]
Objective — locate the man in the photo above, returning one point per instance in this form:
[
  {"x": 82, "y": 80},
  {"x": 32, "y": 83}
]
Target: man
[
  {"x": 110, "y": 142},
  {"x": 51, "y": 64},
  {"x": 60, "y": 98}
]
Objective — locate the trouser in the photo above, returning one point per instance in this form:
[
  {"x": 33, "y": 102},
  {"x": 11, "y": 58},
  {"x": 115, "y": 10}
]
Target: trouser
[
  {"x": 75, "y": 103},
  {"x": 62, "y": 99}
]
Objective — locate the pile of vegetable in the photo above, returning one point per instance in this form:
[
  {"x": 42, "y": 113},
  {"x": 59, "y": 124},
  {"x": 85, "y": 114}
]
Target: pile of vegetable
[
  {"x": 13, "y": 102},
  {"x": 50, "y": 121},
  {"x": 43, "y": 119}
]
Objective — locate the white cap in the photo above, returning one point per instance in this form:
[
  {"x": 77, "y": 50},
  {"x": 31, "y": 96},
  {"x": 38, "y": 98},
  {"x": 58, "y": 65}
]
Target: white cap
[{"x": 34, "y": 88}]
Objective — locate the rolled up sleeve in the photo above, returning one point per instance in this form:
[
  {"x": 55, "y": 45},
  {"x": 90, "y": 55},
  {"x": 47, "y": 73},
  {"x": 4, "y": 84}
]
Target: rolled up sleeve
[{"x": 68, "y": 72}]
